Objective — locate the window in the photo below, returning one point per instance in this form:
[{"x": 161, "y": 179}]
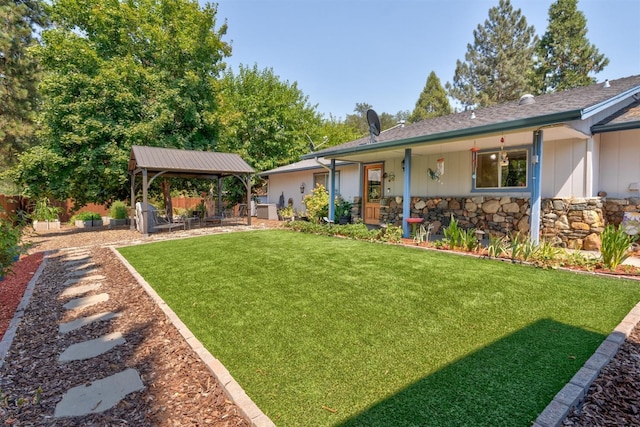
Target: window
[
  {"x": 325, "y": 179},
  {"x": 491, "y": 172}
]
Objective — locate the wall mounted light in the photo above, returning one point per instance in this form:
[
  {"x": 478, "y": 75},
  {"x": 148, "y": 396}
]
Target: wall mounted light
[{"x": 302, "y": 188}]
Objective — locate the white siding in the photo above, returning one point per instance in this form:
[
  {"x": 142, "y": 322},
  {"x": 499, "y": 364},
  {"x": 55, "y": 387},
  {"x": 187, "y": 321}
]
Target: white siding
[
  {"x": 289, "y": 185},
  {"x": 619, "y": 163},
  {"x": 563, "y": 168},
  {"x": 456, "y": 180}
]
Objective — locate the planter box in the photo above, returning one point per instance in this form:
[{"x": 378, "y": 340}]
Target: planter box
[
  {"x": 46, "y": 225},
  {"x": 117, "y": 222},
  {"x": 88, "y": 224}
]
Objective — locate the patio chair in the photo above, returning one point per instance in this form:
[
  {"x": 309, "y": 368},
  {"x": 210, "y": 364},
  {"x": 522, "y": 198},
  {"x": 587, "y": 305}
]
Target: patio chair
[{"x": 157, "y": 222}]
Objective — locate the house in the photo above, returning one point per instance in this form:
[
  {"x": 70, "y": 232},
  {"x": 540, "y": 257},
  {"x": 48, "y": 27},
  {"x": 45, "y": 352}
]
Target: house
[
  {"x": 558, "y": 166},
  {"x": 291, "y": 183}
]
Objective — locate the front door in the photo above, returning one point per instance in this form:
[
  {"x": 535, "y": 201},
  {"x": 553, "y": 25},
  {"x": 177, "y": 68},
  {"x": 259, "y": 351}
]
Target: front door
[{"x": 372, "y": 193}]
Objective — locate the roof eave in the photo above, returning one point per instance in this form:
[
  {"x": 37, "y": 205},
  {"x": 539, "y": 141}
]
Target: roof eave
[
  {"x": 533, "y": 122},
  {"x": 615, "y": 127}
]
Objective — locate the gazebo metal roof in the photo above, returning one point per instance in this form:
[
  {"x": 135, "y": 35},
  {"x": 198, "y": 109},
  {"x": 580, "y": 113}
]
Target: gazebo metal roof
[
  {"x": 152, "y": 162},
  {"x": 187, "y": 162}
]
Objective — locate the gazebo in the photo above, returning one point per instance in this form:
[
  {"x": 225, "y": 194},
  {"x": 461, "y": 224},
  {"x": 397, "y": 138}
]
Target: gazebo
[{"x": 152, "y": 162}]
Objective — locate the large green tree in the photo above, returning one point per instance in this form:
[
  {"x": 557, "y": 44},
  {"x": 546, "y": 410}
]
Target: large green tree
[
  {"x": 119, "y": 73},
  {"x": 264, "y": 119},
  {"x": 19, "y": 74},
  {"x": 433, "y": 101},
  {"x": 564, "y": 57},
  {"x": 358, "y": 120},
  {"x": 499, "y": 63}
]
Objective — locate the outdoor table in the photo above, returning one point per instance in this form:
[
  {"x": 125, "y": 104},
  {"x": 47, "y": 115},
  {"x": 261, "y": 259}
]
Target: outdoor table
[{"x": 413, "y": 222}]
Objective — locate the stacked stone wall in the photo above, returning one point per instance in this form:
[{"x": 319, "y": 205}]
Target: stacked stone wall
[{"x": 567, "y": 222}]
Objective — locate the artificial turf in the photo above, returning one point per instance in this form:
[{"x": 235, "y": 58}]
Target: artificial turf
[{"x": 327, "y": 331}]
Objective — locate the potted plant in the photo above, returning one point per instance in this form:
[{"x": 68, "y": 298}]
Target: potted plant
[
  {"x": 286, "y": 213},
  {"x": 45, "y": 215},
  {"x": 343, "y": 210},
  {"x": 87, "y": 219},
  {"x": 118, "y": 213}
]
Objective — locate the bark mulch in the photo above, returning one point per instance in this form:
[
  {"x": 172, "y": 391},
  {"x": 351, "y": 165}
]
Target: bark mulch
[{"x": 179, "y": 390}]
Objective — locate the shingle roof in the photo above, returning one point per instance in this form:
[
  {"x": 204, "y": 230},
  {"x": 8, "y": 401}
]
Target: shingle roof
[
  {"x": 627, "y": 118},
  {"x": 550, "y": 108},
  {"x": 187, "y": 161}
]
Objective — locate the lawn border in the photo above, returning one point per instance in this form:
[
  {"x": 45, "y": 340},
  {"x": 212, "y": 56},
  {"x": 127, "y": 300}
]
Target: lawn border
[
  {"x": 232, "y": 389},
  {"x": 575, "y": 391},
  {"x": 10, "y": 334}
]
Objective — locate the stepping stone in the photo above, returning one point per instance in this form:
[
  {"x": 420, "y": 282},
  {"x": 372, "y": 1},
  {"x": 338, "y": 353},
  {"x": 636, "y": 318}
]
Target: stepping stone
[
  {"x": 92, "y": 348},
  {"x": 79, "y": 303},
  {"x": 80, "y": 289},
  {"x": 100, "y": 395},
  {"x": 81, "y": 266},
  {"x": 80, "y": 273},
  {"x": 83, "y": 279},
  {"x": 82, "y": 260},
  {"x": 64, "y": 328},
  {"x": 76, "y": 256}
]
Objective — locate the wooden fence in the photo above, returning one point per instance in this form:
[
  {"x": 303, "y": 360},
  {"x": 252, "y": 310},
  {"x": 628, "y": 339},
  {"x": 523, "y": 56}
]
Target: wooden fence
[{"x": 9, "y": 205}]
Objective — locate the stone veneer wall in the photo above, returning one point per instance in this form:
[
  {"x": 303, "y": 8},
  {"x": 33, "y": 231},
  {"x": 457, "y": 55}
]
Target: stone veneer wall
[{"x": 568, "y": 222}]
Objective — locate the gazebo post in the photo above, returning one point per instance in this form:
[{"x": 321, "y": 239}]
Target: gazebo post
[
  {"x": 248, "y": 186},
  {"x": 132, "y": 203},
  {"x": 145, "y": 203}
]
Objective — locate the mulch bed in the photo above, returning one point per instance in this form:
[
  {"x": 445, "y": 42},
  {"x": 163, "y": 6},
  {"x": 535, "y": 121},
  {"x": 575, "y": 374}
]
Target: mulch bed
[{"x": 13, "y": 286}]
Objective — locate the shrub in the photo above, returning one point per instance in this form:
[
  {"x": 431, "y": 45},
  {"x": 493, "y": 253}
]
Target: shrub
[
  {"x": 44, "y": 211},
  {"x": 615, "y": 246},
  {"x": 9, "y": 245},
  {"x": 86, "y": 216},
  {"x": 317, "y": 204},
  {"x": 118, "y": 210}
]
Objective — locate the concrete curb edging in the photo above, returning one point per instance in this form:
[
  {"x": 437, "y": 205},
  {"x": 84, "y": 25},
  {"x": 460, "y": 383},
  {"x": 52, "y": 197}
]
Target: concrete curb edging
[
  {"x": 247, "y": 407},
  {"x": 10, "y": 334},
  {"x": 575, "y": 391}
]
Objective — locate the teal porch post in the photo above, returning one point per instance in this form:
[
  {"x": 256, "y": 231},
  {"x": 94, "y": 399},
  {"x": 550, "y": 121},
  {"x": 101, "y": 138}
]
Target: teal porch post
[
  {"x": 406, "y": 193},
  {"x": 332, "y": 190},
  {"x": 536, "y": 186}
]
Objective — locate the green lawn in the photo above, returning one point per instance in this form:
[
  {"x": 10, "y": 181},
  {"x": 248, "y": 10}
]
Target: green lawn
[{"x": 327, "y": 331}]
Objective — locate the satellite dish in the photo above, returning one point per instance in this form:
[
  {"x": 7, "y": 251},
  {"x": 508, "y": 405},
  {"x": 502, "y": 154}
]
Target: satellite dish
[{"x": 374, "y": 125}]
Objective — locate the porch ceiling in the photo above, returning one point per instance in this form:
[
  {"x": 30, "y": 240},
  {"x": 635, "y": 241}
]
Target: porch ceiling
[{"x": 522, "y": 137}]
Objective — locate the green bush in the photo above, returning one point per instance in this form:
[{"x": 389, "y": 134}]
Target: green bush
[
  {"x": 86, "y": 216},
  {"x": 118, "y": 210},
  {"x": 9, "y": 245},
  {"x": 317, "y": 204},
  {"x": 615, "y": 246},
  {"x": 44, "y": 211}
]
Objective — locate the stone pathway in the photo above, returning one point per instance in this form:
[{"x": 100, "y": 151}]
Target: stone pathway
[{"x": 102, "y": 394}]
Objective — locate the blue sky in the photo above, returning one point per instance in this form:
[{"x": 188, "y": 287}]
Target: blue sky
[{"x": 380, "y": 52}]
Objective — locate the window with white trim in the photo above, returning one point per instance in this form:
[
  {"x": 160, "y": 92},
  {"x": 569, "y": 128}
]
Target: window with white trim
[
  {"x": 492, "y": 172},
  {"x": 325, "y": 180}
]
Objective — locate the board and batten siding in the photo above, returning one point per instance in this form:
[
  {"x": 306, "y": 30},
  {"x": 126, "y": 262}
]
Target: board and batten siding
[
  {"x": 619, "y": 163},
  {"x": 289, "y": 184}
]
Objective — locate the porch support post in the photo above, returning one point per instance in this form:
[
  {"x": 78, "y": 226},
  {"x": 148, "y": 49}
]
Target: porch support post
[
  {"x": 132, "y": 209},
  {"x": 247, "y": 184},
  {"x": 332, "y": 190},
  {"x": 219, "y": 196},
  {"x": 145, "y": 203},
  {"x": 406, "y": 193},
  {"x": 536, "y": 187}
]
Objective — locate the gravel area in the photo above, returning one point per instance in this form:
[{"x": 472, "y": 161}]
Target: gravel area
[{"x": 179, "y": 390}]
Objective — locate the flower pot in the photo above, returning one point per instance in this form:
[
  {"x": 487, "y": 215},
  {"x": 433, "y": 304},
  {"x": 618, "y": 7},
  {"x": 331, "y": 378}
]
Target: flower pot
[{"x": 46, "y": 225}]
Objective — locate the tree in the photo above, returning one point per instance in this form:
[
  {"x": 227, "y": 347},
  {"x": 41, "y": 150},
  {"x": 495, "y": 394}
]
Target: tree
[
  {"x": 499, "y": 64},
  {"x": 19, "y": 73},
  {"x": 263, "y": 119},
  {"x": 118, "y": 74},
  {"x": 433, "y": 101},
  {"x": 564, "y": 57},
  {"x": 359, "y": 119}
]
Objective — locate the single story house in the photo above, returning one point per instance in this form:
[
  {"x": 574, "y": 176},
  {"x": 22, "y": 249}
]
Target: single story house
[{"x": 557, "y": 166}]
